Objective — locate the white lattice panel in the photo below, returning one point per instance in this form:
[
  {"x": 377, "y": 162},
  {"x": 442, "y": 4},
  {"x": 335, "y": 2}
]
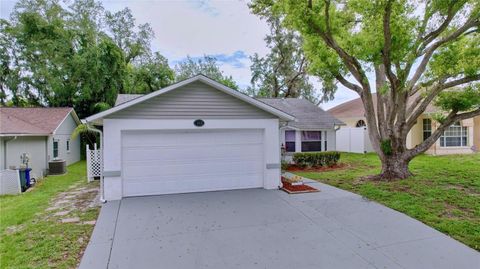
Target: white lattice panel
[
  {"x": 94, "y": 163},
  {"x": 9, "y": 182}
]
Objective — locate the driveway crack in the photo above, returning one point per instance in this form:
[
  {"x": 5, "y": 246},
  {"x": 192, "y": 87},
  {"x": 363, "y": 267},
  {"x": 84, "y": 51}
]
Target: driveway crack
[{"x": 114, "y": 231}]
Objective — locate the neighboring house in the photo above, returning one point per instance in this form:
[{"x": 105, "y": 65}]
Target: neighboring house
[
  {"x": 313, "y": 129},
  {"x": 43, "y": 133},
  {"x": 195, "y": 135},
  {"x": 460, "y": 138}
]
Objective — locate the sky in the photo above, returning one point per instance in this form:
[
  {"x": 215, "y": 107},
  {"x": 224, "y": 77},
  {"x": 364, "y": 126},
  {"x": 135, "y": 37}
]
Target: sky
[{"x": 223, "y": 29}]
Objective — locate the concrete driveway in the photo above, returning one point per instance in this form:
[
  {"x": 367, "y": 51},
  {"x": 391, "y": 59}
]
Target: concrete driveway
[{"x": 258, "y": 228}]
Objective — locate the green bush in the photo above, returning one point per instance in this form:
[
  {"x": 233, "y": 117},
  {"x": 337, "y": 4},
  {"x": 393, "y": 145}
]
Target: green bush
[
  {"x": 316, "y": 159},
  {"x": 284, "y": 165}
]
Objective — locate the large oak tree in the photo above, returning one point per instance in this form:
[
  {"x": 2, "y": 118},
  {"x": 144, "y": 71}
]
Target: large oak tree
[{"x": 412, "y": 53}]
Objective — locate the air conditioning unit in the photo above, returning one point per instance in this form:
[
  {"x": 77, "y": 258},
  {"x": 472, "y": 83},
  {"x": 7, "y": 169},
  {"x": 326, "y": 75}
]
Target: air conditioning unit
[{"x": 57, "y": 167}]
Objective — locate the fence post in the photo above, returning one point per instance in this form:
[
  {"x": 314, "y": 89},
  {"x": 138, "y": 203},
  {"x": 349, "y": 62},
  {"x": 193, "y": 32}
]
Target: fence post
[{"x": 89, "y": 162}]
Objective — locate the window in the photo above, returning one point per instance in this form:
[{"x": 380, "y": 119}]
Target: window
[
  {"x": 454, "y": 136},
  {"x": 68, "y": 145},
  {"x": 427, "y": 128},
  {"x": 55, "y": 149},
  {"x": 290, "y": 141},
  {"x": 360, "y": 123},
  {"x": 311, "y": 141}
]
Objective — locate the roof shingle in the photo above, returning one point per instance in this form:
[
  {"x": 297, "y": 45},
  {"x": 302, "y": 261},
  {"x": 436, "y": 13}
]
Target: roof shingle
[
  {"x": 31, "y": 120},
  {"x": 354, "y": 108},
  {"x": 123, "y": 98},
  {"x": 307, "y": 115}
]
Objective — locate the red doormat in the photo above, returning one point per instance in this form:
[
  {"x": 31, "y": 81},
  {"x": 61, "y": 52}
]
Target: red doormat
[{"x": 292, "y": 189}]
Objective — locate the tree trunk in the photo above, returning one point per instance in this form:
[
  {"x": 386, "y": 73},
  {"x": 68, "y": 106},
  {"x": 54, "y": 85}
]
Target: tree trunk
[{"x": 395, "y": 167}]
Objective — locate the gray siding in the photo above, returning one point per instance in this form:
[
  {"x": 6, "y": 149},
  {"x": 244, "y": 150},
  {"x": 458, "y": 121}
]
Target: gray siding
[
  {"x": 2, "y": 154},
  {"x": 34, "y": 146},
  {"x": 195, "y": 100},
  {"x": 62, "y": 135}
]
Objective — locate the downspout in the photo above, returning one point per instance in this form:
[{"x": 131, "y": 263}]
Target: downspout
[
  {"x": 335, "y": 130},
  {"x": 102, "y": 193}
]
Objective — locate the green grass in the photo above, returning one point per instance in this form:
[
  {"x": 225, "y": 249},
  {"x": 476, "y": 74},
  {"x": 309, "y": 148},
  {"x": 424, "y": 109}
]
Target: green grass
[
  {"x": 444, "y": 192},
  {"x": 31, "y": 238}
]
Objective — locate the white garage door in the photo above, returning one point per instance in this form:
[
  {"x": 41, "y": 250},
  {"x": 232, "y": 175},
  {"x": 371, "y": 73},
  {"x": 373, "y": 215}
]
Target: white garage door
[{"x": 161, "y": 162}]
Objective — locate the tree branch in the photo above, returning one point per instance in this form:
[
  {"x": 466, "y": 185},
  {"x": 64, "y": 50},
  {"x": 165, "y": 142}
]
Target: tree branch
[
  {"x": 348, "y": 84},
  {"x": 461, "y": 81},
  {"x": 434, "y": 34},
  {"x": 291, "y": 81},
  {"x": 430, "y": 50},
  {"x": 380, "y": 82},
  {"x": 387, "y": 46},
  {"x": 352, "y": 64},
  {"x": 451, "y": 118},
  {"x": 434, "y": 92}
]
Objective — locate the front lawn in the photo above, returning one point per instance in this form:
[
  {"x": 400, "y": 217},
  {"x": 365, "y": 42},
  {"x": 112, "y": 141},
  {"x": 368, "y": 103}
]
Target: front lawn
[
  {"x": 444, "y": 192},
  {"x": 50, "y": 226}
]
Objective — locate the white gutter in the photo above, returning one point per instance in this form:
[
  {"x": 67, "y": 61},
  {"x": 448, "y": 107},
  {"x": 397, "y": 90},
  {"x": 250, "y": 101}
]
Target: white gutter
[{"x": 102, "y": 192}]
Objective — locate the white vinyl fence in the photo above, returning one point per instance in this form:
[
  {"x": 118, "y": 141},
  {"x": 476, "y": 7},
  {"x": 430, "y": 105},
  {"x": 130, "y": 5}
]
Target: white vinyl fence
[
  {"x": 10, "y": 182},
  {"x": 94, "y": 162},
  {"x": 351, "y": 139}
]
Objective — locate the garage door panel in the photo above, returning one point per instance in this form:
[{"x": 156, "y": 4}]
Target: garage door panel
[
  {"x": 207, "y": 137},
  {"x": 132, "y": 173},
  {"x": 160, "y": 162},
  {"x": 145, "y": 153},
  {"x": 230, "y": 178},
  {"x": 192, "y": 185}
]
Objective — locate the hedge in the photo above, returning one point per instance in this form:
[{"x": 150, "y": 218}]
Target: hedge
[{"x": 315, "y": 159}]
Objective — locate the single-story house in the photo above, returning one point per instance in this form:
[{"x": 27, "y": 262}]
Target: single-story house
[
  {"x": 42, "y": 133},
  {"x": 193, "y": 136},
  {"x": 461, "y": 138},
  {"x": 313, "y": 129}
]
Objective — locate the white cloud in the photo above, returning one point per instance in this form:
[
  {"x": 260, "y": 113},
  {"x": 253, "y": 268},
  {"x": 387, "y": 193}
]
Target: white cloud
[
  {"x": 197, "y": 28},
  {"x": 241, "y": 75}
]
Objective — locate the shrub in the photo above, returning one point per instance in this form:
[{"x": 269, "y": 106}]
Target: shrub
[
  {"x": 316, "y": 159},
  {"x": 285, "y": 165}
]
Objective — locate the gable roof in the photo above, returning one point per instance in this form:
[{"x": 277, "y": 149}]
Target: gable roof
[
  {"x": 32, "y": 121},
  {"x": 123, "y": 98},
  {"x": 308, "y": 115},
  {"x": 201, "y": 78},
  {"x": 354, "y": 108}
]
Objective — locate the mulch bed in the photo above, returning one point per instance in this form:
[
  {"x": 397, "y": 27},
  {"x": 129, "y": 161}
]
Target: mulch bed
[
  {"x": 294, "y": 168},
  {"x": 291, "y": 189}
]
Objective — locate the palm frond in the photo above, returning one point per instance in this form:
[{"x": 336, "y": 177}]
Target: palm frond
[{"x": 82, "y": 129}]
